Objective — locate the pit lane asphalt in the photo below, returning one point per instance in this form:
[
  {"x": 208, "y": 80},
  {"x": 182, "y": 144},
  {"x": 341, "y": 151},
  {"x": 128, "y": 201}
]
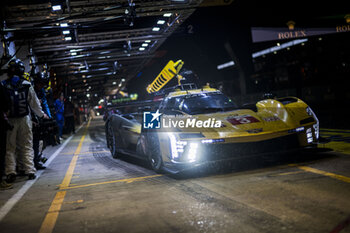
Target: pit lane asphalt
[{"x": 85, "y": 190}]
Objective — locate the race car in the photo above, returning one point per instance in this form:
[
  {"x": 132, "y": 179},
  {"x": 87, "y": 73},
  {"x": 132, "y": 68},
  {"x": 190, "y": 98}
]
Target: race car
[{"x": 174, "y": 137}]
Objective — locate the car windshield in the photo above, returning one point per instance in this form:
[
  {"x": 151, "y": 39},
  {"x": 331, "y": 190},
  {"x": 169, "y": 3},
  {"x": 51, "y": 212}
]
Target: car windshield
[{"x": 206, "y": 103}]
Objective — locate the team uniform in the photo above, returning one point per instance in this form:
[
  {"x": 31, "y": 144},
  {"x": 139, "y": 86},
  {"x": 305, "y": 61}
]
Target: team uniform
[{"x": 20, "y": 138}]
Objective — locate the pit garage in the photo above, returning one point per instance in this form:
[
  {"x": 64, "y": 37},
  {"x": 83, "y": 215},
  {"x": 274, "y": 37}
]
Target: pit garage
[{"x": 268, "y": 84}]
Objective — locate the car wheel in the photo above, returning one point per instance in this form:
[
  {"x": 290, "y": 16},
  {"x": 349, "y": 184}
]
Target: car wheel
[
  {"x": 112, "y": 141},
  {"x": 148, "y": 146}
]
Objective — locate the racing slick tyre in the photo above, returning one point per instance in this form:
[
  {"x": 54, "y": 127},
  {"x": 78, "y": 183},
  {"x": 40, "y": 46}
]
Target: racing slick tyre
[
  {"x": 148, "y": 146},
  {"x": 111, "y": 141}
]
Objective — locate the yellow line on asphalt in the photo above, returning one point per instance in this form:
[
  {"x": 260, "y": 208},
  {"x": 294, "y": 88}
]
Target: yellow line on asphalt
[
  {"x": 320, "y": 172},
  {"x": 287, "y": 173},
  {"x": 129, "y": 180},
  {"x": 52, "y": 215},
  {"x": 86, "y": 152}
]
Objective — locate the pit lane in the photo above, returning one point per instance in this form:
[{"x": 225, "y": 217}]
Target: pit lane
[{"x": 84, "y": 189}]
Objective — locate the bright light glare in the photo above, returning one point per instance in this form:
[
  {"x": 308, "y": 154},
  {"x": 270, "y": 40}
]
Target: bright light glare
[
  {"x": 56, "y": 7},
  {"x": 123, "y": 79},
  {"x": 114, "y": 83},
  {"x": 161, "y": 22},
  {"x": 88, "y": 95},
  {"x": 167, "y": 14},
  {"x": 66, "y": 32},
  {"x": 141, "y": 49},
  {"x": 64, "y": 25},
  {"x": 174, "y": 153},
  {"x": 155, "y": 29},
  {"x": 147, "y": 41},
  {"x": 73, "y": 54},
  {"x": 192, "y": 151},
  {"x": 144, "y": 45},
  {"x": 68, "y": 38}
]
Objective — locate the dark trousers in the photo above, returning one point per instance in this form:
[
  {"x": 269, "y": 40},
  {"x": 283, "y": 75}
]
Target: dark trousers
[
  {"x": 2, "y": 151},
  {"x": 70, "y": 124},
  {"x": 37, "y": 155}
]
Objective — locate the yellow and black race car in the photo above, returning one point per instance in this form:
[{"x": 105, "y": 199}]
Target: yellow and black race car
[{"x": 194, "y": 126}]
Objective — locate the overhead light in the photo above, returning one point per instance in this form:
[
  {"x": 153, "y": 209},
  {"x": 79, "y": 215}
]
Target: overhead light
[
  {"x": 167, "y": 14},
  {"x": 227, "y": 64},
  {"x": 105, "y": 52},
  {"x": 73, "y": 90},
  {"x": 147, "y": 41},
  {"x": 142, "y": 48},
  {"x": 161, "y": 22},
  {"x": 114, "y": 83},
  {"x": 75, "y": 50},
  {"x": 144, "y": 45},
  {"x": 63, "y": 25},
  {"x": 73, "y": 54},
  {"x": 119, "y": 85},
  {"x": 66, "y": 32},
  {"x": 123, "y": 79},
  {"x": 68, "y": 38},
  {"x": 155, "y": 29},
  {"x": 56, "y": 7},
  {"x": 88, "y": 95}
]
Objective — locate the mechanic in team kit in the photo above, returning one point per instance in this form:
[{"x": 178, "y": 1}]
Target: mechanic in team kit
[{"x": 20, "y": 138}]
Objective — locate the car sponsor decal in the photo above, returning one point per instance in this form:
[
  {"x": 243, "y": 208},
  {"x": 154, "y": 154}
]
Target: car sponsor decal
[
  {"x": 255, "y": 130},
  {"x": 272, "y": 118},
  {"x": 243, "y": 119}
]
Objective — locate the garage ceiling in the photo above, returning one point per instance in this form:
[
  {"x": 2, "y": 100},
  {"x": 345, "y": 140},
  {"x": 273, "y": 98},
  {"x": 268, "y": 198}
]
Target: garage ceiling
[{"x": 107, "y": 42}]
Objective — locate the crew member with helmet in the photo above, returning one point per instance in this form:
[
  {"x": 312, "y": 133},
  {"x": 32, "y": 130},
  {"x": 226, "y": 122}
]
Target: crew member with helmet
[
  {"x": 20, "y": 138},
  {"x": 41, "y": 81}
]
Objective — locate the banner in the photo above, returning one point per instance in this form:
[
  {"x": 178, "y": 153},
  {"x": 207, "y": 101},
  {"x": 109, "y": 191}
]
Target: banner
[{"x": 260, "y": 34}]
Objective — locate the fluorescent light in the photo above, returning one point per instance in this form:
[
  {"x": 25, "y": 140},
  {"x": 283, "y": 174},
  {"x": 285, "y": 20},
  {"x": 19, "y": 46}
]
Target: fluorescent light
[
  {"x": 147, "y": 41},
  {"x": 155, "y": 29},
  {"x": 144, "y": 45},
  {"x": 281, "y": 46},
  {"x": 66, "y": 32},
  {"x": 56, "y": 7},
  {"x": 161, "y": 22},
  {"x": 75, "y": 50},
  {"x": 63, "y": 25},
  {"x": 227, "y": 64},
  {"x": 68, "y": 38},
  {"x": 141, "y": 49},
  {"x": 73, "y": 54},
  {"x": 167, "y": 14}
]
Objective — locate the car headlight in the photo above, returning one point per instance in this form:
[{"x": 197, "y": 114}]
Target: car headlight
[
  {"x": 182, "y": 150},
  {"x": 315, "y": 126}
]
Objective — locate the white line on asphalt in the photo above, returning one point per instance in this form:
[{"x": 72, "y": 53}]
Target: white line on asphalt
[{"x": 5, "y": 209}]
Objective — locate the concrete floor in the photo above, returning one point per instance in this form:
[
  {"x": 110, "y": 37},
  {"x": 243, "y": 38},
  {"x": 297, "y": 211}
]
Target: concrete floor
[{"x": 85, "y": 190}]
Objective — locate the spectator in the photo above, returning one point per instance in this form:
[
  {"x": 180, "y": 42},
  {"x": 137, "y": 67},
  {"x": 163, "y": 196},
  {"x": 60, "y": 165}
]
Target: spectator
[
  {"x": 4, "y": 126},
  {"x": 69, "y": 116},
  {"x": 20, "y": 138},
  {"x": 59, "y": 111}
]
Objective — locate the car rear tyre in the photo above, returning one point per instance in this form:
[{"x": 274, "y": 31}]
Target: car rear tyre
[{"x": 112, "y": 141}]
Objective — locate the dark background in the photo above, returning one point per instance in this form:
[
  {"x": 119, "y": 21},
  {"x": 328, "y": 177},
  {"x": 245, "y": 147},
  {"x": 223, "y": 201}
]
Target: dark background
[{"x": 318, "y": 72}]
